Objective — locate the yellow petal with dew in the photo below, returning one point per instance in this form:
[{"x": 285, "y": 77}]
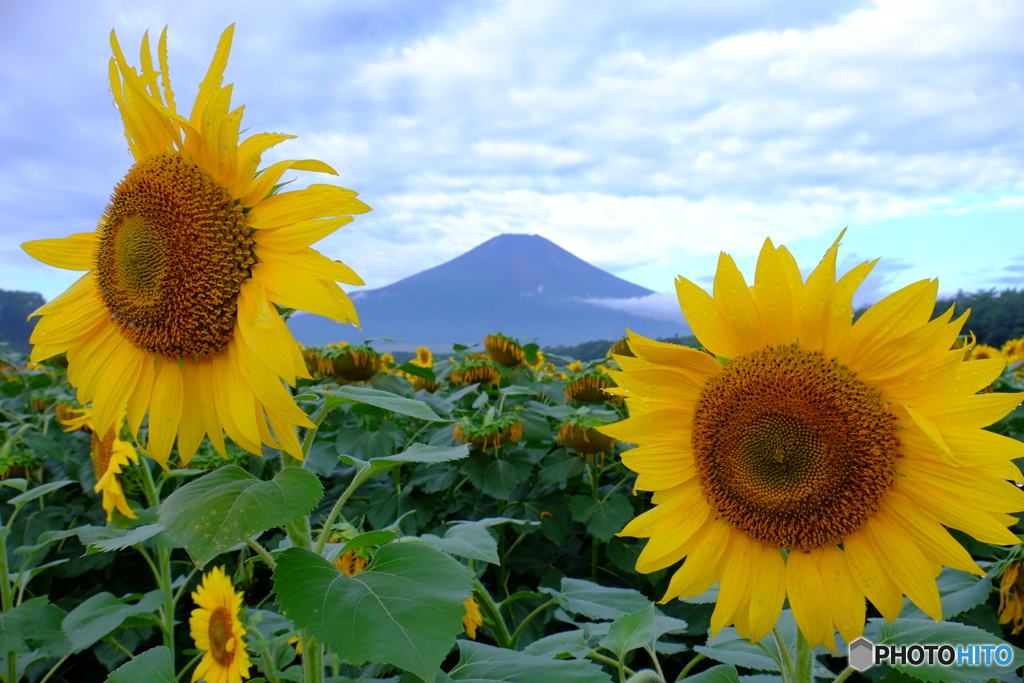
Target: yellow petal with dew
[
  {"x": 317, "y": 201},
  {"x": 870, "y": 576},
  {"x": 769, "y": 589},
  {"x": 957, "y": 513},
  {"x": 929, "y": 533},
  {"x": 846, "y": 601},
  {"x": 806, "y": 591},
  {"x": 734, "y": 580},
  {"x": 740, "y": 318},
  {"x": 264, "y": 183},
  {"x": 299, "y": 235},
  {"x": 702, "y": 315},
  {"x": 165, "y": 410},
  {"x": 776, "y": 282},
  {"x": 74, "y": 252},
  {"x": 311, "y": 262},
  {"x": 700, "y": 569}
]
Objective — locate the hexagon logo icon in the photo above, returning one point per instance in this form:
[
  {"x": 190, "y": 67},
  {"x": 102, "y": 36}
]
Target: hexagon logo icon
[{"x": 862, "y": 654}]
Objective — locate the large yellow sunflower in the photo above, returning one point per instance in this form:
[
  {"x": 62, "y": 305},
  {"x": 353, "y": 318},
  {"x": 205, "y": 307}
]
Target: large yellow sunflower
[
  {"x": 814, "y": 456},
  {"x": 216, "y": 628},
  {"x": 175, "y": 314},
  {"x": 110, "y": 455}
]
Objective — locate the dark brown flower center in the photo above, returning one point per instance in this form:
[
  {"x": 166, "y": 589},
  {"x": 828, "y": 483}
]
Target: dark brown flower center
[
  {"x": 174, "y": 252},
  {"x": 792, "y": 448},
  {"x": 220, "y": 635}
]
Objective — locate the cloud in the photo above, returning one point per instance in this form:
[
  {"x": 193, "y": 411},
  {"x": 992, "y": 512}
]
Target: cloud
[
  {"x": 634, "y": 139},
  {"x": 657, "y": 306}
]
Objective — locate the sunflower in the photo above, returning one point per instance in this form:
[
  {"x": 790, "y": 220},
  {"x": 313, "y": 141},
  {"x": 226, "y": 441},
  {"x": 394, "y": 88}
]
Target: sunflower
[
  {"x": 351, "y": 562},
  {"x": 505, "y": 429},
  {"x": 813, "y": 456},
  {"x": 503, "y": 350},
  {"x": 1011, "y": 595},
  {"x": 982, "y": 351},
  {"x": 216, "y": 628},
  {"x": 175, "y": 313},
  {"x": 472, "y": 619},
  {"x": 110, "y": 455}
]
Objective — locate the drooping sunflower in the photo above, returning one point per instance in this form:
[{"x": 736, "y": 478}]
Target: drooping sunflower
[
  {"x": 110, "y": 455},
  {"x": 175, "y": 313},
  {"x": 217, "y": 629},
  {"x": 814, "y": 456}
]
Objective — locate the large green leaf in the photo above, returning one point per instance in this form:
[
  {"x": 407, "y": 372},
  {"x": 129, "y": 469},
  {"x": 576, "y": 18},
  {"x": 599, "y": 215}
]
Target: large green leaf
[
  {"x": 595, "y": 601},
  {"x": 155, "y": 665},
  {"x": 38, "y": 620},
  {"x": 127, "y": 539},
  {"x": 405, "y": 609},
  {"x": 38, "y": 491},
  {"x": 483, "y": 664},
  {"x": 209, "y": 515},
  {"x": 729, "y": 648},
  {"x": 575, "y": 643},
  {"x": 922, "y": 632},
  {"x": 381, "y": 399},
  {"x": 100, "y": 614},
  {"x": 959, "y": 591},
  {"x": 603, "y": 519},
  {"x": 498, "y": 477}
]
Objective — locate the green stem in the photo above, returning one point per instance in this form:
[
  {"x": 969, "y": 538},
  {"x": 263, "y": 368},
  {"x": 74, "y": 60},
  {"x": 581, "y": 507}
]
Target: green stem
[
  {"x": 53, "y": 669},
  {"x": 489, "y": 609},
  {"x": 609, "y": 661},
  {"x": 7, "y": 599},
  {"x": 312, "y": 660},
  {"x": 652, "y": 653},
  {"x": 689, "y": 665},
  {"x": 262, "y": 552},
  {"x": 804, "y": 665},
  {"x": 162, "y": 569},
  {"x": 529, "y": 617},
  {"x": 195, "y": 660},
  {"x": 361, "y": 476},
  {"x": 787, "y": 662},
  {"x": 846, "y": 673}
]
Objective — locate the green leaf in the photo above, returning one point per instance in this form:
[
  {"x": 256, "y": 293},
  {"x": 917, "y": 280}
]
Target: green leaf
[
  {"x": 924, "y": 632},
  {"x": 405, "y": 609},
  {"x": 126, "y": 539},
  {"x": 603, "y": 519},
  {"x": 597, "y": 602},
  {"x": 719, "y": 674},
  {"x": 15, "y": 483},
  {"x": 471, "y": 539},
  {"x": 418, "y": 371},
  {"x": 155, "y": 665},
  {"x": 559, "y": 468},
  {"x": 729, "y": 648},
  {"x": 959, "y": 591},
  {"x": 210, "y": 514},
  {"x": 576, "y": 644},
  {"x": 38, "y": 620},
  {"x": 631, "y": 632},
  {"x": 419, "y": 452},
  {"x": 370, "y": 538},
  {"x": 483, "y": 663},
  {"x": 498, "y": 478},
  {"x": 38, "y": 491},
  {"x": 100, "y": 614},
  {"x": 381, "y": 399}
]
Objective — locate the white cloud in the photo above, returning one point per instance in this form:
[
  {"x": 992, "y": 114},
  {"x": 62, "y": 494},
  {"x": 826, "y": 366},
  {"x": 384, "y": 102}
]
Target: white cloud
[{"x": 658, "y": 306}]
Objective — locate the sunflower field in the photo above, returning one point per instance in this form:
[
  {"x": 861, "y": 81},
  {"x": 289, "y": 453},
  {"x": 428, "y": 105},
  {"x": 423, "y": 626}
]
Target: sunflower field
[{"x": 802, "y": 494}]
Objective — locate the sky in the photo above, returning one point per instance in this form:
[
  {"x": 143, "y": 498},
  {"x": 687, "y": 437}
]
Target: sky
[{"x": 644, "y": 138}]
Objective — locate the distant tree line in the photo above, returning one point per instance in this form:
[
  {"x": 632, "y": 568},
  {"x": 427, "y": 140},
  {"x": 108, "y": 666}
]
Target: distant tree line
[
  {"x": 15, "y": 329},
  {"x": 596, "y": 350},
  {"x": 995, "y": 316}
]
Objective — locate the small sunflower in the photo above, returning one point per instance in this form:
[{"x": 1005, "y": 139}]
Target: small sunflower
[
  {"x": 175, "y": 313},
  {"x": 489, "y": 434},
  {"x": 476, "y": 370},
  {"x": 982, "y": 352},
  {"x": 1011, "y": 595},
  {"x": 589, "y": 387},
  {"x": 814, "y": 455},
  {"x": 620, "y": 348},
  {"x": 351, "y": 363},
  {"x": 581, "y": 435},
  {"x": 110, "y": 455},
  {"x": 503, "y": 350},
  {"x": 351, "y": 562},
  {"x": 472, "y": 619},
  {"x": 216, "y": 627}
]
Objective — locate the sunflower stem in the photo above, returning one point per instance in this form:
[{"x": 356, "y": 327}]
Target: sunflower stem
[
  {"x": 312, "y": 660},
  {"x": 490, "y": 609},
  {"x": 846, "y": 673},
  {"x": 786, "y": 664},
  {"x": 804, "y": 665},
  {"x": 689, "y": 665},
  {"x": 529, "y": 617},
  {"x": 162, "y": 569},
  {"x": 325, "y": 532}
]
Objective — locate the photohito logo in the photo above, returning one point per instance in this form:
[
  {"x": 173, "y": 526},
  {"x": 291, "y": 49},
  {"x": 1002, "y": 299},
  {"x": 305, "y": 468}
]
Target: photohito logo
[{"x": 864, "y": 654}]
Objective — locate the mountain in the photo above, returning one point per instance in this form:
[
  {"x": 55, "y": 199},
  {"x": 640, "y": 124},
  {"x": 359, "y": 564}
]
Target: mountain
[{"x": 523, "y": 286}]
